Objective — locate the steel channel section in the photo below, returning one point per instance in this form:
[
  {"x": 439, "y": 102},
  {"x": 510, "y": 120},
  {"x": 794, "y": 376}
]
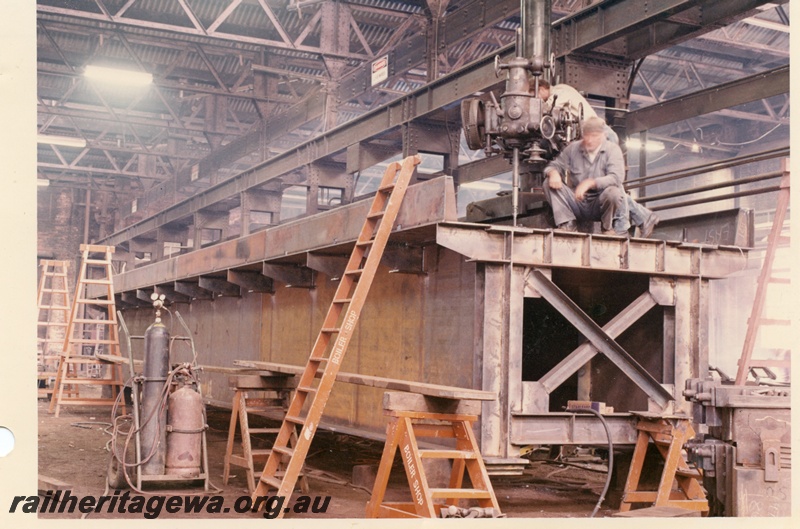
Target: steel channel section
[
  {"x": 548, "y": 248},
  {"x": 565, "y": 428},
  {"x": 602, "y": 341},
  {"x": 727, "y": 95}
]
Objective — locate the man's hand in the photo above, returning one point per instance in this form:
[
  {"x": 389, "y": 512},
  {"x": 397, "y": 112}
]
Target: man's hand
[
  {"x": 583, "y": 187},
  {"x": 554, "y": 180}
]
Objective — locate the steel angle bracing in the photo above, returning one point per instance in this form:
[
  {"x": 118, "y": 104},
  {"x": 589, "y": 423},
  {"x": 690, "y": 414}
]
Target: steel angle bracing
[{"x": 602, "y": 341}]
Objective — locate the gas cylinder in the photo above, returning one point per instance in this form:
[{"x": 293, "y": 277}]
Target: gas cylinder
[
  {"x": 156, "y": 369},
  {"x": 185, "y": 424}
]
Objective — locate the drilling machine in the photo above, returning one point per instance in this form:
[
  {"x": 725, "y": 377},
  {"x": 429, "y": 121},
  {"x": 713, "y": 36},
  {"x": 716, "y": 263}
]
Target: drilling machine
[{"x": 518, "y": 126}]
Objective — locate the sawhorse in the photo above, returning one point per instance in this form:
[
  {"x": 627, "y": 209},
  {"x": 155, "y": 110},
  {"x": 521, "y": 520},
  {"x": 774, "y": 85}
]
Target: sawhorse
[
  {"x": 413, "y": 416},
  {"x": 669, "y": 434}
]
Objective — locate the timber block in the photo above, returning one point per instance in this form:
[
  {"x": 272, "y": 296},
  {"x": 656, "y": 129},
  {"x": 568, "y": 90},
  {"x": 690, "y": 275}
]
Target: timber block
[{"x": 401, "y": 401}]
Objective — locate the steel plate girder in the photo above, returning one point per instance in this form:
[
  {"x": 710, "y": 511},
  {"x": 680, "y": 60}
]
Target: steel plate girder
[
  {"x": 547, "y": 248},
  {"x": 425, "y": 203}
]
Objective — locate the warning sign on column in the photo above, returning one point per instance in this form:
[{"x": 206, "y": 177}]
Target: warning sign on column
[{"x": 380, "y": 70}]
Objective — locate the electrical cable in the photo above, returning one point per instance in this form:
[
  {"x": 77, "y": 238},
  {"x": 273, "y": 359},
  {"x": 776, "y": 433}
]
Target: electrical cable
[{"x": 610, "y": 456}]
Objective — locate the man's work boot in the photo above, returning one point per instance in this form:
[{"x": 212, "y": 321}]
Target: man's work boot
[
  {"x": 570, "y": 225},
  {"x": 649, "y": 225}
]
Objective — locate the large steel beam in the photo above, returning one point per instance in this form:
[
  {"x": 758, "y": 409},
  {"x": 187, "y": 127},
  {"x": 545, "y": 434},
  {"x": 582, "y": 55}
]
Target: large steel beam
[
  {"x": 599, "y": 339},
  {"x": 739, "y": 92},
  {"x": 644, "y": 25}
]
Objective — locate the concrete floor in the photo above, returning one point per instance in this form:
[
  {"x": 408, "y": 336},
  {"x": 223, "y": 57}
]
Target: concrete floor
[{"x": 72, "y": 449}]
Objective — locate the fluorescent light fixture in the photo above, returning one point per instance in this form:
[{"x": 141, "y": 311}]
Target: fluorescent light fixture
[
  {"x": 117, "y": 76},
  {"x": 649, "y": 146},
  {"x": 64, "y": 141},
  {"x": 42, "y": 182}
]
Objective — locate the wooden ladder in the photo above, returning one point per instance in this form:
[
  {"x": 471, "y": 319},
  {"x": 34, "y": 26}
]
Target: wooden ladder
[
  {"x": 308, "y": 403},
  {"x": 765, "y": 278},
  {"x": 413, "y": 416},
  {"x": 273, "y": 395},
  {"x": 669, "y": 434},
  {"x": 52, "y": 300},
  {"x": 102, "y": 335}
]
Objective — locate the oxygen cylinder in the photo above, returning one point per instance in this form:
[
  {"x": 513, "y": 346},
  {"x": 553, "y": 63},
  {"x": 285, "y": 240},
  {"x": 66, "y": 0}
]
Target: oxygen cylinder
[
  {"x": 186, "y": 422},
  {"x": 156, "y": 368}
]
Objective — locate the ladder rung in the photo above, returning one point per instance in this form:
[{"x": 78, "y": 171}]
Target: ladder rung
[
  {"x": 330, "y": 330},
  {"x": 263, "y": 409},
  {"x": 387, "y": 187},
  {"x": 53, "y": 324},
  {"x": 461, "y": 493},
  {"x": 261, "y": 452},
  {"x": 96, "y": 322},
  {"x": 769, "y": 363},
  {"x": 90, "y": 341},
  {"x": 275, "y": 483},
  {"x": 343, "y": 300},
  {"x": 365, "y": 243},
  {"x": 54, "y": 290},
  {"x": 376, "y": 215},
  {"x": 264, "y": 430},
  {"x": 65, "y": 401},
  {"x": 356, "y": 272},
  {"x": 772, "y": 321},
  {"x": 96, "y": 301},
  {"x": 52, "y": 307},
  {"x": 96, "y": 381},
  {"x": 307, "y": 389},
  {"x": 285, "y": 450},
  {"x": 781, "y": 280},
  {"x": 96, "y": 282},
  {"x": 294, "y": 420},
  {"x": 96, "y": 261},
  {"x": 447, "y": 454}
]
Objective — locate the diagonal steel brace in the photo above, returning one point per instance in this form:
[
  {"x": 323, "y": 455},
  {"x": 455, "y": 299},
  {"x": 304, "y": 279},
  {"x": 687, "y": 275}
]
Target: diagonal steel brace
[{"x": 599, "y": 338}]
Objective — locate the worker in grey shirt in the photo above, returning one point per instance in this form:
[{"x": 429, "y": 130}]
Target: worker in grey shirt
[{"x": 584, "y": 183}]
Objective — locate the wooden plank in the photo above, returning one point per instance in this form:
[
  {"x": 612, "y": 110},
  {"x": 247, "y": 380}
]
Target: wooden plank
[
  {"x": 433, "y": 390},
  {"x": 277, "y": 382},
  {"x": 659, "y": 512},
  {"x": 399, "y": 401}
]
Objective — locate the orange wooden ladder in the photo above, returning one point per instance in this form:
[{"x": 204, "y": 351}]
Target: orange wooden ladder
[
  {"x": 52, "y": 300},
  {"x": 774, "y": 240},
  {"x": 305, "y": 411},
  {"x": 97, "y": 334},
  {"x": 669, "y": 434}
]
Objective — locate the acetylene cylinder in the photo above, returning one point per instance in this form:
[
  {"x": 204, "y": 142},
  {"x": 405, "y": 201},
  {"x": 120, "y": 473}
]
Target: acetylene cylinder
[
  {"x": 153, "y": 421},
  {"x": 186, "y": 422}
]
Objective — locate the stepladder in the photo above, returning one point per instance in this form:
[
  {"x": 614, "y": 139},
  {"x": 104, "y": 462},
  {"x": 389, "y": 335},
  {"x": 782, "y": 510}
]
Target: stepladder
[
  {"x": 305, "y": 411},
  {"x": 748, "y": 365},
  {"x": 412, "y": 419},
  {"x": 52, "y": 301},
  {"x": 265, "y": 395},
  {"x": 680, "y": 483},
  {"x": 91, "y": 330}
]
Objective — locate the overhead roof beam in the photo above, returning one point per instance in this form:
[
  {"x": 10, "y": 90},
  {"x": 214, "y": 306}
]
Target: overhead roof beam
[{"x": 724, "y": 96}]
